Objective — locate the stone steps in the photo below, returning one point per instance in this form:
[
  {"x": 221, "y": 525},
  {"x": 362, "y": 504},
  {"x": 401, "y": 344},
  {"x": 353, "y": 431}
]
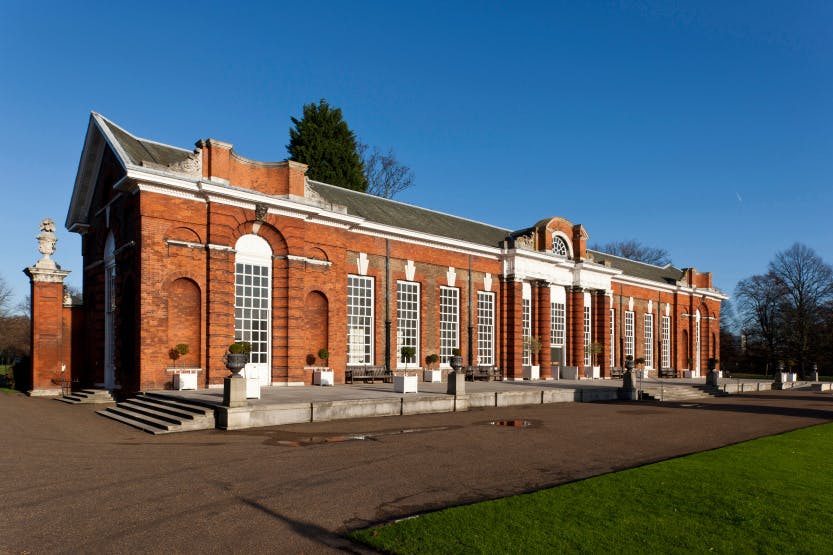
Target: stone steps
[
  {"x": 679, "y": 392},
  {"x": 157, "y": 415},
  {"x": 87, "y": 396}
]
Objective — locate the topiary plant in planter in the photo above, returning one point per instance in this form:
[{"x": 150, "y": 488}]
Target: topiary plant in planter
[
  {"x": 324, "y": 355},
  {"x": 181, "y": 349},
  {"x": 407, "y": 354}
]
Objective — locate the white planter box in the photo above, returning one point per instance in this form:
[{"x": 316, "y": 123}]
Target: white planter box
[
  {"x": 792, "y": 376},
  {"x": 185, "y": 381},
  {"x": 405, "y": 384},
  {"x": 184, "y": 378},
  {"x": 252, "y": 388},
  {"x": 691, "y": 374},
  {"x": 593, "y": 372},
  {"x": 433, "y": 376},
  {"x": 532, "y": 372},
  {"x": 323, "y": 377}
]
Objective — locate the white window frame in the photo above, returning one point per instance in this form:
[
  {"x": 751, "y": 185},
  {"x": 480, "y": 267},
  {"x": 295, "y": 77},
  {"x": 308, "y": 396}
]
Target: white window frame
[
  {"x": 666, "y": 342},
  {"x": 526, "y": 325},
  {"x": 588, "y": 328},
  {"x": 449, "y": 323},
  {"x": 629, "y": 333},
  {"x": 360, "y": 319},
  {"x": 485, "y": 328},
  {"x": 407, "y": 320},
  {"x": 558, "y": 245},
  {"x": 252, "y": 307},
  {"x": 648, "y": 339},
  {"x": 612, "y": 338},
  {"x": 558, "y": 324}
]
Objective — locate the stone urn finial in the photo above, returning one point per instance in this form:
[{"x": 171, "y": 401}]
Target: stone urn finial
[{"x": 46, "y": 243}]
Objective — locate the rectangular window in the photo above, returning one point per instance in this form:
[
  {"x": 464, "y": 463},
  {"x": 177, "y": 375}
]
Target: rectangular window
[
  {"x": 251, "y": 309},
  {"x": 485, "y": 328},
  {"x": 407, "y": 319},
  {"x": 588, "y": 324},
  {"x": 612, "y": 339},
  {"x": 558, "y": 328},
  {"x": 449, "y": 322},
  {"x": 526, "y": 323},
  {"x": 359, "y": 320},
  {"x": 649, "y": 340},
  {"x": 628, "y": 333},
  {"x": 666, "y": 342}
]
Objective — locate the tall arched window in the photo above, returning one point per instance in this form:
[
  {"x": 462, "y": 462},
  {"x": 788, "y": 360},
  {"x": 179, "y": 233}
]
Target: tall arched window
[
  {"x": 697, "y": 341},
  {"x": 109, "y": 312},
  {"x": 252, "y": 303}
]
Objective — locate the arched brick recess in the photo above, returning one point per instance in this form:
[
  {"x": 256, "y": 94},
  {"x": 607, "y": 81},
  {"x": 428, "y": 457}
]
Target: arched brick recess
[
  {"x": 316, "y": 324},
  {"x": 184, "y": 319}
]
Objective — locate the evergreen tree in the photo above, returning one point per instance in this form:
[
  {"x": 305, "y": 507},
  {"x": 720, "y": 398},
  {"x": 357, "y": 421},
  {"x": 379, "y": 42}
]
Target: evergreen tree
[{"x": 322, "y": 140}]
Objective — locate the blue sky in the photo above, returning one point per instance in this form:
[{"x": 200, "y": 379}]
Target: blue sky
[{"x": 705, "y": 128}]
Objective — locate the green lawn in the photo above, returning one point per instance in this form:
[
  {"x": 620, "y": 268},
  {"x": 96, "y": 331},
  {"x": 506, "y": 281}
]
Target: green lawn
[
  {"x": 5, "y": 370},
  {"x": 770, "y": 495}
]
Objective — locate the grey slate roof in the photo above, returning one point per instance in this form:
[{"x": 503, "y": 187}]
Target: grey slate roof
[
  {"x": 663, "y": 274},
  {"x": 142, "y": 152},
  {"x": 397, "y": 214}
]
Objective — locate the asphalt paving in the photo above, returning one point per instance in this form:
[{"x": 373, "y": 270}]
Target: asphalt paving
[{"x": 74, "y": 482}]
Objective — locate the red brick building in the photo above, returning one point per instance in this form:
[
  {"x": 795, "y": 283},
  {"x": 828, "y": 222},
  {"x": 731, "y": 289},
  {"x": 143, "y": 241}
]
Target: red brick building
[{"x": 204, "y": 246}]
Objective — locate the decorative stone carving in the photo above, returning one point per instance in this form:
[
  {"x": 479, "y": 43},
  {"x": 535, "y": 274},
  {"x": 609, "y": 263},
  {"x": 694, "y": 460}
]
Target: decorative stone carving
[
  {"x": 191, "y": 165},
  {"x": 260, "y": 212},
  {"x": 46, "y": 244},
  {"x": 410, "y": 270},
  {"x": 526, "y": 242},
  {"x": 487, "y": 282},
  {"x": 451, "y": 276},
  {"x": 361, "y": 264}
]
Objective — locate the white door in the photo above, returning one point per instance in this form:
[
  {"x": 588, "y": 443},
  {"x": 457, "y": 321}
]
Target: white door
[{"x": 252, "y": 309}]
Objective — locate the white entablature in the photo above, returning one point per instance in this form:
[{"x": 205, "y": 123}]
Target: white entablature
[{"x": 526, "y": 265}]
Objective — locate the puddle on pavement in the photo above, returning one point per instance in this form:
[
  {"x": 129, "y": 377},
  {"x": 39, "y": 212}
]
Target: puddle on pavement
[
  {"x": 281, "y": 439},
  {"x": 512, "y": 423}
]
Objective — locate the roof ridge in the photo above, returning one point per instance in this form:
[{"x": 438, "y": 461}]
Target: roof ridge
[
  {"x": 409, "y": 205},
  {"x": 111, "y": 123},
  {"x": 669, "y": 265}
]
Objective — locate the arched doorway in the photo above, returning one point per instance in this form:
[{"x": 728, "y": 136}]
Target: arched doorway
[{"x": 252, "y": 304}]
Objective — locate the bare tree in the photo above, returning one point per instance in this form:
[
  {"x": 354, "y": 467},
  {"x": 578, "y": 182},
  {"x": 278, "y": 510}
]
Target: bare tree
[
  {"x": 758, "y": 307},
  {"x": 634, "y": 250},
  {"x": 807, "y": 284},
  {"x": 386, "y": 176},
  {"x": 5, "y": 296}
]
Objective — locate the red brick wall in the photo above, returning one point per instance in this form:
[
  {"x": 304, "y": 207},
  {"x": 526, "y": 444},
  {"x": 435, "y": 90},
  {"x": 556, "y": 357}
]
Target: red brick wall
[{"x": 47, "y": 334}]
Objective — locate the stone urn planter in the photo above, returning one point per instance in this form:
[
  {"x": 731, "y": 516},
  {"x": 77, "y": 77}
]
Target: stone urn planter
[
  {"x": 456, "y": 378},
  {"x": 628, "y": 391},
  {"x": 237, "y": 357}
]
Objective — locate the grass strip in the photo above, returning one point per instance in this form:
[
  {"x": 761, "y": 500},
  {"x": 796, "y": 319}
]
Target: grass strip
[{"x": 769, "y": 495}]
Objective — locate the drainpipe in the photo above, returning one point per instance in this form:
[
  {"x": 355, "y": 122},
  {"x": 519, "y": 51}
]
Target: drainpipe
[
  {"x": 387, "y": 304},
  {"x": 470, "y": 327}
]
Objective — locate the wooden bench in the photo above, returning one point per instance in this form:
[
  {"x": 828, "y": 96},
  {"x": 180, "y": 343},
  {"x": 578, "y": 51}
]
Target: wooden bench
[
  {"x": 616, "y": 372},
  {"x": 487, "y": 373},
  {"x": 667, "y": 373},
  {"x": 367, "y": 373}
]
